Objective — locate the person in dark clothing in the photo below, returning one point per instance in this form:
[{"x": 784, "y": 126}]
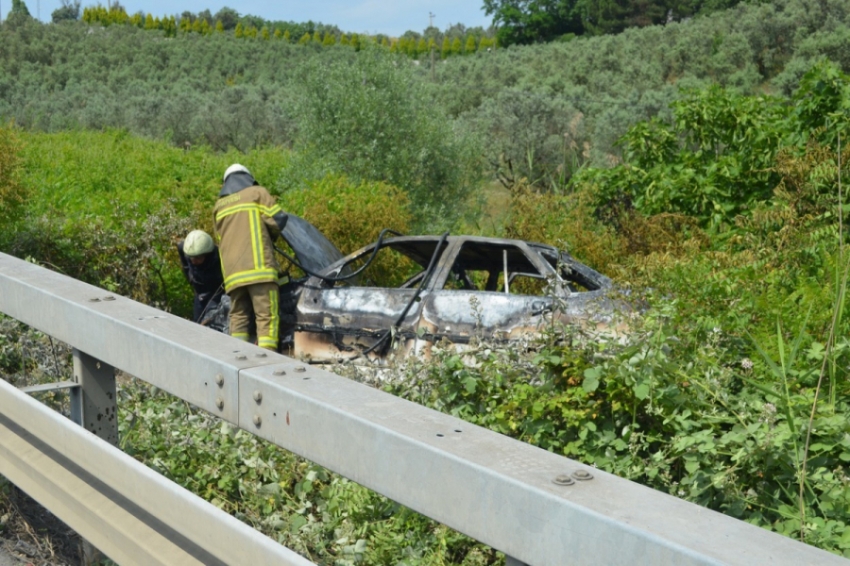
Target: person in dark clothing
[{"x": 201, "y": 265}]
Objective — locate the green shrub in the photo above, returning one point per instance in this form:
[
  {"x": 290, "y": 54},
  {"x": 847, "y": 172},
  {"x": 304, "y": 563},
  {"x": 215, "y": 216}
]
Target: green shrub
[
  {"x": 352, "y": 215},
  {"x": 531, "y": 136},
  {"x": 318, "y": 514},
  {"x": 717, "y": 160},
  {"x": 13, "y": 195},
  {"x": 370, "y": 120}
]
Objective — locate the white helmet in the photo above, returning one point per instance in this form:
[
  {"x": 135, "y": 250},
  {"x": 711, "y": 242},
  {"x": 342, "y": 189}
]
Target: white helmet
[
  {"x": 235, "y": 168},
  {"x": 198, "y": 243}
]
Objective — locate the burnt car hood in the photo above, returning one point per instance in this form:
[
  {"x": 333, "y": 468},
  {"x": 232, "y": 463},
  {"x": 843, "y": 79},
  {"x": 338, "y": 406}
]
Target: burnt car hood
[{"x": 312, "y": 249}]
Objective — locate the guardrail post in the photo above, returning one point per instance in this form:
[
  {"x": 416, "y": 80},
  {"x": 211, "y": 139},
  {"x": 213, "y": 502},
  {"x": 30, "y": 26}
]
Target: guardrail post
[
  {"x": 94, "y": 407},
  {"x": 93, "y": 403}
]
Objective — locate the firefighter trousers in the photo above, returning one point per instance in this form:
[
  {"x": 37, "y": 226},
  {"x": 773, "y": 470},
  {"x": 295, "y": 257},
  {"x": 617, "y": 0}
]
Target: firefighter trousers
[{"x": 255, "y": 303}]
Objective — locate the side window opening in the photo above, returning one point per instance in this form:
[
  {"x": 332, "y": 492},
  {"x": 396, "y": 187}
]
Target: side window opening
[
  {"x": 396, "y": 265},
  {"x": 495, "y": 268}
]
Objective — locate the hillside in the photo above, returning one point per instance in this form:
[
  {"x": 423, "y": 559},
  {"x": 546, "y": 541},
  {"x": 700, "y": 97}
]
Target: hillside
[{"x": 224, "y": 91}]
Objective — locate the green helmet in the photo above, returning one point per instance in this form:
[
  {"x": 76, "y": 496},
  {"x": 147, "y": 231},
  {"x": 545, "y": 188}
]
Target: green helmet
[{"x": 198, "y": 243}]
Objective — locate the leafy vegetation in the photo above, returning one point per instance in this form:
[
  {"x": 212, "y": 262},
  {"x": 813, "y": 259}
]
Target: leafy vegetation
[
  {"x": 525, "y": 21},
  {"x": 324, "y": 517},
  {"x": 716, "y": 160},
  {"x": 228, "y": 92},
  {"x": 344, "y": 122}
]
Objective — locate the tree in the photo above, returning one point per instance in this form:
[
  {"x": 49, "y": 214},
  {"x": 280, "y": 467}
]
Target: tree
[
  {"x": 446, "y": 49},
  {"x": 19, "y": 9},
  {"x": 470, "y": 44},
  {"x": 366, "y": 117},
  {"x": 68, "y": 11},
  {"x": 421, "y": 47},
  {"x": 170, "y": 26},
  {"x": 228, "y": 18},
  {"x": 533, "y": 21},
  {"x": 185, "y": 23},
  {"x": 613, "y": 16}
]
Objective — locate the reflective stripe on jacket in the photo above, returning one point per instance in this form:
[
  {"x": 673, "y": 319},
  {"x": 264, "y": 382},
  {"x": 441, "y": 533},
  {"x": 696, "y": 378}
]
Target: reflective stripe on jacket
[{"x": 246, "y": 229}]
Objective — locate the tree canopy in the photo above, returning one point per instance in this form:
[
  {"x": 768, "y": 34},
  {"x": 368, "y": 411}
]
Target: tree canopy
[
  {"x": 536, "y": 21},
  {"x": 69, "y": 10},
  {"x": 19, "y": 9}
]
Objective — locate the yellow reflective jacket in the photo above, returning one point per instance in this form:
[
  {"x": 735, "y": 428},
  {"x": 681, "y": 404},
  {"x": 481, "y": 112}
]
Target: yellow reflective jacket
[{"x": 247, "y": 222}]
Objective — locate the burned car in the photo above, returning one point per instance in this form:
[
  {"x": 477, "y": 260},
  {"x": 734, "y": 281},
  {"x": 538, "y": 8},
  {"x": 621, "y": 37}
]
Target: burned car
[{"x": 403, "y": 294}]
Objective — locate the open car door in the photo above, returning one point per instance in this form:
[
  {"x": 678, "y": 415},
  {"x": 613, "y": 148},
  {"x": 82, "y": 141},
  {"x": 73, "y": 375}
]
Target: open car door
[{"x": 345, "y": 319}]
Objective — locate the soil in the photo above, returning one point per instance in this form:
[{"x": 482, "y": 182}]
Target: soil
[{"x": 31, "y": 535}]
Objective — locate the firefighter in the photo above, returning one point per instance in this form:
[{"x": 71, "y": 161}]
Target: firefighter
[
  {"x": 247, "y": 222},
  {"x": 202, "y": 268}
]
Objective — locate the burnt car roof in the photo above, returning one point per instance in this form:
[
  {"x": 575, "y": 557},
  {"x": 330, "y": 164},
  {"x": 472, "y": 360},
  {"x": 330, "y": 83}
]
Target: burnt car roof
[{"x": 421, "y": 248}]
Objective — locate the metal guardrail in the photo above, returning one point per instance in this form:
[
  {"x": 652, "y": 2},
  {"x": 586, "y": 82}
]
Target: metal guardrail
[
  {"x": 537, "y": 507},
  {"x": 121, "y": 506}
]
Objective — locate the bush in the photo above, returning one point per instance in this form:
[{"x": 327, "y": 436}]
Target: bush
[
  {"x": 134, "y": 257},
  {"x": 565, "y": 220},
  {"x": 718, "y": 158},
  {"x": 531, "y": 136},
  {"x": 352, "y": 215},
  {"x": 13, "y": 195},
  {"x": 368, "y": 119}
]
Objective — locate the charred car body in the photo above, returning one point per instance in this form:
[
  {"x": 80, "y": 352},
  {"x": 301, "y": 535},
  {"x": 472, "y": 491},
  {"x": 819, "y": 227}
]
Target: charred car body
[{"x": 403, "y": 294}]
